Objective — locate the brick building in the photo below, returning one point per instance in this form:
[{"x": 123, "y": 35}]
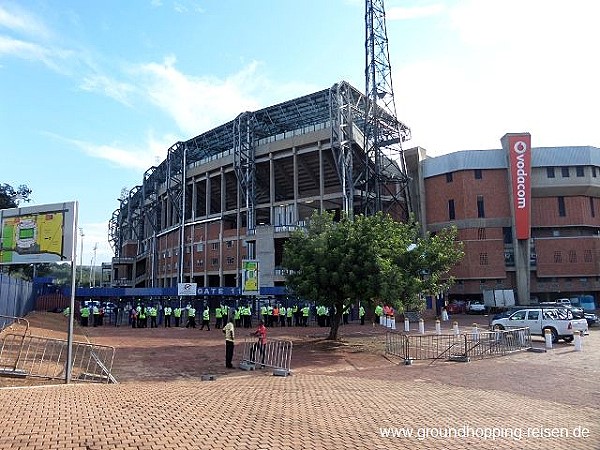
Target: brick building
[{"x": 472, "y": 190}]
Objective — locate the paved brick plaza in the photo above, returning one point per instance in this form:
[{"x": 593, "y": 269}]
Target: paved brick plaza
[{"x": 342, "y": 397}]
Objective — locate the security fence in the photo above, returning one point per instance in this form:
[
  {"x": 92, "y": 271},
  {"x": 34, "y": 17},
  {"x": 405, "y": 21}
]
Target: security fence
[
  {"x": 36, "y": 356},
  {"x": 477, "y": 344},
  {"x": 274, "y": 354},
  {"x": 16, "y": 296}
]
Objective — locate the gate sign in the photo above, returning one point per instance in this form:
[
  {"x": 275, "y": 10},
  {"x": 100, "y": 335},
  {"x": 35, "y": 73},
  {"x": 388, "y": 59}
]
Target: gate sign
[{"x": 186, "y": 289}]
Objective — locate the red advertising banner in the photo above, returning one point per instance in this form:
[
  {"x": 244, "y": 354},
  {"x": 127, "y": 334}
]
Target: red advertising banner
[{"x": 519, "y": 151}]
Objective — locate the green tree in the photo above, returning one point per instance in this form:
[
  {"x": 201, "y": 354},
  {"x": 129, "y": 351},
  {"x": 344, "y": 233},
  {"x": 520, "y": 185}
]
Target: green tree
[
  {"x": 371, "y": 259},
  {"x": 9, "y": 195}
]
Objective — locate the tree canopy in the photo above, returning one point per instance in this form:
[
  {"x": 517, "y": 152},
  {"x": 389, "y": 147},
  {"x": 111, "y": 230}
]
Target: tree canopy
[
  {"x": 369, "y": 260},
  {"x": 10, "y": 195}
]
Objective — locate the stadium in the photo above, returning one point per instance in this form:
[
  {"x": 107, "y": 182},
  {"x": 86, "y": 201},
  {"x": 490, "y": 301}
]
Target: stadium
[{"x": 234, "y": 193}]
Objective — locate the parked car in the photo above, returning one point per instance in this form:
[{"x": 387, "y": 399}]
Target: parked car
[
  {"x": 475, "y": 307},
  {"x": 455, "y": 308},
  {"x": 558, "y": 319}
]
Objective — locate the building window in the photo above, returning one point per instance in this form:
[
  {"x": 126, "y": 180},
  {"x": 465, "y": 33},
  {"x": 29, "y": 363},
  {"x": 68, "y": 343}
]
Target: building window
[
  {"x": 564, "y": 172},
  {"x": 558, "y": 257},
  {"x": 562, "y": 211},
  {"x": 507, "y": 233},
  {"x": 579, "y": 171},
  {"x": 587, "y": 255},
  {"x": 483, "y": 259},
  {"x": 229, "y": 244},
  {"x": 230, "y": 261},
  {"x": 215, "y": 246},
  {"x": 480, "y": 207},
  {"x": 592, "y": 208},
  {"x": 214, "y": 261},
  {"x": 200, "y": 262},
  {"x": 200, "y": 246},
  {"x": 550, "y": 172},
  {"x": 478, "y": 174},
  {"x": 594, "y": 171},
  {"x": 451, "y": 212},
  {"x": 572, "y": 256},
  {"x": 481, "y": 234},
  {"x": 449, "y": 177}
]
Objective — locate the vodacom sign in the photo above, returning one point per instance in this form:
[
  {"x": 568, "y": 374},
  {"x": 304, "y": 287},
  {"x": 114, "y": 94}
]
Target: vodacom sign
[{"x": 519, "y": 148}]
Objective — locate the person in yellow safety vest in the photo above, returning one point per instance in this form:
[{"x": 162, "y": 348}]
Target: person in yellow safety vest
[
  {"x": 177, "y": 315},
  {"x": 282, "y": 316},
  {"x": 378, "y": 313},
  {"x": 168, "y": 311},
  {"x": 225, "y": 312},
  {"x": 85, "y": 314},
  {"x": 264, "y": 312},
  {"x": 269, "y": 316},
  {"x": 247, "y": 313},
  {"x": 153, "y": 311},
  {"x": 237, "y": 316},
  {"x": 96, "y": 314},
  {"x": 361, "y": 314},
  {"x": 289, "y": 312},
  {"x": 305, "y": 313},
  {"x": 191, "y": 318},
  {"x": 206, "y": 318},
  {"x": 142, "y": 317},
  {"x": 219, "y": 317},
  {"x": 67, "y": 311}
]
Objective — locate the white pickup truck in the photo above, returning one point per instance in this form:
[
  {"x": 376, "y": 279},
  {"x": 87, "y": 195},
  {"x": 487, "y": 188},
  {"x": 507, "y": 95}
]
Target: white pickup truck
[{"x": 558, "y": 320}]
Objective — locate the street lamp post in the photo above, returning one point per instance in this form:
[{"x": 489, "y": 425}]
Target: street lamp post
[{"x": 81, "y": 258}]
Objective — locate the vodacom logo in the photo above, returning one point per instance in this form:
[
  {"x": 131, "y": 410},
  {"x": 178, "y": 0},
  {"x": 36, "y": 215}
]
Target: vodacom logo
[
  {"x": 521, "y": 174},
  {"x": 520, "y": 147}
]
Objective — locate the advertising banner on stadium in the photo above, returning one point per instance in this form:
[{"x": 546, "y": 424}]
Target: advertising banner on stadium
[
  {"x": 250, "y": 285},
  {"x": 37, "y": 234},
  {"x": 519, "y": 152}
]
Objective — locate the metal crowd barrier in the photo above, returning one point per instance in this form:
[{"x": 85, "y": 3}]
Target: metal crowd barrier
[
  {"x": 275, "y": 354},
  {"x": 43, "y": 357},
  {"x": 20, "y": 322},
  {"x": 476, "y": 344}
]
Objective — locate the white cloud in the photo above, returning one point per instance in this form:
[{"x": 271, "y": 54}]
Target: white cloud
[
  {"x": 20, "y": 21},
  {"x": 198, "y": 103},
  {"x": 522, "y": 66},
  {"x": 117, "y": 90}
]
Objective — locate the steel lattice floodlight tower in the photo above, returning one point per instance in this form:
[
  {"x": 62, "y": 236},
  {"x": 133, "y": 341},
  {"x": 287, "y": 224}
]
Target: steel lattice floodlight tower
[{"x": 385, "y": 177}]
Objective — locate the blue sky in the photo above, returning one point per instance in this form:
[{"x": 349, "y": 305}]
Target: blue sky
[{"x": 92, "y": 93}]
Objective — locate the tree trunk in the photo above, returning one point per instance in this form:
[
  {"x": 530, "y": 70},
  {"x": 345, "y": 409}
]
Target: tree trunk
[{"x": 335, "y": 325}]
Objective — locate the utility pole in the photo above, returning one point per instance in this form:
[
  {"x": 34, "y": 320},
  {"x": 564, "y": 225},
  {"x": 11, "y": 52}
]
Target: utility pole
[
  {"x": 385, "y": 176},
  {"x": 93, "y": 267}
]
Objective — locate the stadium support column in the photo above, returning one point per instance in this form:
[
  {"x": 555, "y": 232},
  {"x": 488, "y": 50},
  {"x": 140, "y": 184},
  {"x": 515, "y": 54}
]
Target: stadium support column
[
  {"x": 518, "y": 149},
  {"x": 340, "y": 114},
  {"x": 245, "y": 164}
]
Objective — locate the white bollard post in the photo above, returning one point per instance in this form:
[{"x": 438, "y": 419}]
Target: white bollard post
[
  {"x": 475, "y": 332},
  {"x": 445, "y": 317},
  {"x": 438, "y": 327},
  {"x": 406, "y": 325},
  {"x": 388, "y": 322},
  {"x": 381, "y": 320},
  {"x": 548, "y": 337},
  {"x": 577, "y": 337},
  {"x": 421, "y": 326},
  {"x": 455, "y": 328},
  {"x": 393, "y": 323}
]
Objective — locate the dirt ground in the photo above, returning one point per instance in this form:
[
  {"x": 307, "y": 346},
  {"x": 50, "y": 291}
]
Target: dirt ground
[
  {"x": 169, "y": 354},
  {"x": 175, "y": 354}
]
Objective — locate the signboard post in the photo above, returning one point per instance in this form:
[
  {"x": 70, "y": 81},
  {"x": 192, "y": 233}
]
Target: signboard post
[{"x": 42, "y": 234}]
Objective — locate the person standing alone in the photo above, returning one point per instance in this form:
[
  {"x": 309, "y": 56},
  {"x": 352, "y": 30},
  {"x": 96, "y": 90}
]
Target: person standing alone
[{"x": 229, "y": 343}]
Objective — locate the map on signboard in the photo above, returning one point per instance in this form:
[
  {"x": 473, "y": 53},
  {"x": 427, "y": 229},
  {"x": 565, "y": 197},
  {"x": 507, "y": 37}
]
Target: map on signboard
[{"x": 31, "y": 235}]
